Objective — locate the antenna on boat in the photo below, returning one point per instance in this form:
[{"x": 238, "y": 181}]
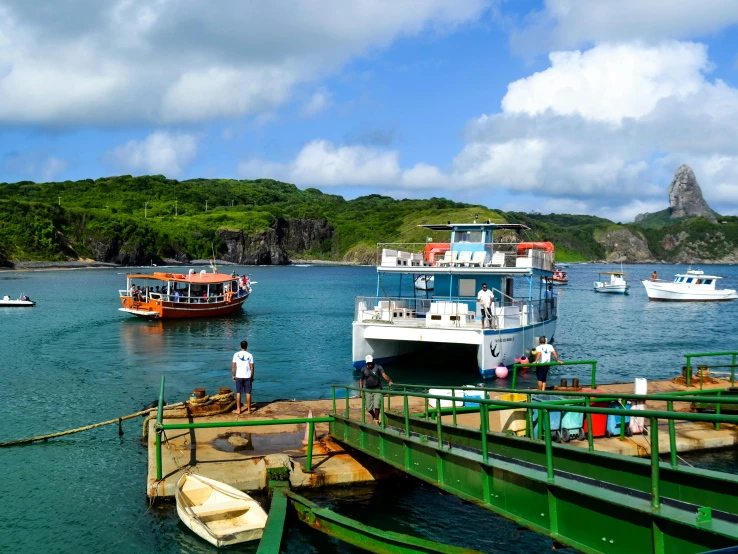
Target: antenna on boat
[{"x": 212, "y": 265}]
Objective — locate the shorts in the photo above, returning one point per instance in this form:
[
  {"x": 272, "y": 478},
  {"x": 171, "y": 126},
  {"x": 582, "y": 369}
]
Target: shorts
[
  {"x": 484, "y": 312},
  {"x": 244, "y": 385},
  {"x": 373, "y": 400},
  {"x": 542, "y": 373}
]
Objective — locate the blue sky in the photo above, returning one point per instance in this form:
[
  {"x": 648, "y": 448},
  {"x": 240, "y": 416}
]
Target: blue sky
[{"x": 558, "y": 106}]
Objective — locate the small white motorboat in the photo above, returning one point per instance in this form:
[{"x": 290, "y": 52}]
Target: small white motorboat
[
  {"x": 616, "y": 285},
  {"x": 693, "y": 286},
  {"x": 22, "y": 302},
  {"x": 425, "y": 282},
  {"x": 219, "y": 513}
]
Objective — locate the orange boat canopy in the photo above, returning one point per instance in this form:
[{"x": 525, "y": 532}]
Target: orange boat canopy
[
  {"x": 547, "y": 246},
  {"x": 432, "y": 249},
  {"x": 202, "y": 278}
]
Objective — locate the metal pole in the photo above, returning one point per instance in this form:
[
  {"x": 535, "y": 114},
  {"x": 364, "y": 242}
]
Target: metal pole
[
  {"x": 407, "y": 415},
  {"x": 732, "y": 370},
  {"x": 515, "y": 375},
  {"x": 623, "y": 403},
  {"x": 672, "y": 437},
  {"x": 309, "y": 461},
  {"x": 655, "y": 491},
  {"x": 590, "y": 436},
  {"x": 594, "y": 374},
  {"x": 439, "y": 424},
  {"x": 159, "y": 415},
  {"x": 333, "y": 395},
  {"x": 363, "y": 407},
  {"x": 549, "y": 446},
  {"x": 483, "y": 423},
  {"x": 347, "y": 402},
  {"x": 689, "y": 370},
  {"x": 453, "y": 404},
  {"x": 528, "y": 418},
  {"x": 717, "y": 411},
  {"x": 381, "y": 411}
]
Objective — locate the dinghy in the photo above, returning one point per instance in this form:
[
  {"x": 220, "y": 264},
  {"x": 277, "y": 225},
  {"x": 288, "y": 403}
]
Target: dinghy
[
  {"x": 217, "y": 512},
  {"x": 22, "y": 302}
]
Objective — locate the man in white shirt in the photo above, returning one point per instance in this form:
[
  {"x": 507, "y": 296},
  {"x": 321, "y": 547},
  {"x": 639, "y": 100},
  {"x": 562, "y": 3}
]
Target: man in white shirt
[
  {"x": 543, "y": 355},
  {"x": 242, "y": 369},
  {"x": 486, "y": 299}
]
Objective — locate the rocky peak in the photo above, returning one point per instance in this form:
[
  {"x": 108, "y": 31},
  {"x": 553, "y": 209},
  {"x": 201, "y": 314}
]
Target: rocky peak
[{"x": 685, "y": 196}]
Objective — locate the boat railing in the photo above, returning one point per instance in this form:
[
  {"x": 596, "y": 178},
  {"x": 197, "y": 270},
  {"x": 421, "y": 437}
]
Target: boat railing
[
  {"x": 164, "y": 297},
  {"x": 452, "y": 311},
  {"x": 460, "y": 255}
]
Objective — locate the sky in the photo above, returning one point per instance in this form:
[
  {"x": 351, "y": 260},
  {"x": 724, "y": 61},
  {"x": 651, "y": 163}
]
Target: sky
[{"x": 565, "y": 106}]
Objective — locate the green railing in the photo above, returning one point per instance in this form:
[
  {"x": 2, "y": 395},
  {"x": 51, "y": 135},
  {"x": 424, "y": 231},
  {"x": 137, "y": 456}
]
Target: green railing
[
  {"x": 160, "y": 428},
  {"x": 592, "y": 363},
  {"x": 545, "y": 407},
  {"x": 732, "y": 365}
]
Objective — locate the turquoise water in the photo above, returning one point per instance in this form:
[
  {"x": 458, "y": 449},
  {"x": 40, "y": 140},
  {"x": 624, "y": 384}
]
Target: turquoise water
[{"x": 75, "y": 359}]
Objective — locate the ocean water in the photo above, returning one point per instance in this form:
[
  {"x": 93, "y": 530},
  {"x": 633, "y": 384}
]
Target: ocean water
[{"x": 75, "y": 359}]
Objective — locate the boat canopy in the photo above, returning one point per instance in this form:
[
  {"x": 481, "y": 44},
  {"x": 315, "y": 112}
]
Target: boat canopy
[
  {"x": 612, "y": 273},
  {"x": 451, "y": 226},
  {"x": 202, "y": 278},
  {"x": 547, "y": 246}
]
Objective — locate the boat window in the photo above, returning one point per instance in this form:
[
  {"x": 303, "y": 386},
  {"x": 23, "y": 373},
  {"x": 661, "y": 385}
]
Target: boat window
[
  {"x": 689, "y": 280},
  {"x": 468, "y": 236},
  {"x": 707, "y": 282}
]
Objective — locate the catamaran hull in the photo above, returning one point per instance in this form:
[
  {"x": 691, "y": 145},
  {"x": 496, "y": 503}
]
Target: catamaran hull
[
  {"x": 386, "y": 342},
  {"x": 666, "y": 292}
]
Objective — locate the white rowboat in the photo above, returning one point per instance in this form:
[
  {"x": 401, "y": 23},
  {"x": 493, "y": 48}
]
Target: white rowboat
[{"x": 219, "y": 513}]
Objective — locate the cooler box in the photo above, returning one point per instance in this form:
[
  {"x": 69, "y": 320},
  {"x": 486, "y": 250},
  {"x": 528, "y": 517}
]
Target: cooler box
[
  {"x": 445, "y": 403},
  {"x": 512, "y": 419},
  {"x": 472, "y": 392},
  {"x": 599, "y": 421},
  {"x": 570, "y": 422},
  {"x": 613, "y": 422}
]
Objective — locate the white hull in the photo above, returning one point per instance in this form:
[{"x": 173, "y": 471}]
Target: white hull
[
  {"x": 17, "y": 304},
  {"x": 218, "y": 513},
  {"x": 673, "y": 292},
  {"x": 613, "y": 289},
  {"x": 388, "y": 342}
]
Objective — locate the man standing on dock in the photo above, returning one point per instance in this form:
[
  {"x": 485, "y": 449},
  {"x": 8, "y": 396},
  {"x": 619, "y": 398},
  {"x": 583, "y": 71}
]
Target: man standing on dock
[
  {"x": 242, "y": 369},
  {"x": 370, "y": 379},
  {"x": 543, "y": 355}
]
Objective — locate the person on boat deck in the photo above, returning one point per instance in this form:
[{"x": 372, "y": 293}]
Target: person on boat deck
[
  {"x": 157, "y": 289},
  {"x": 370, "y": 379},
  {"x": 654, "y": 276},
  {"x": 548, "y": 297},
  {"x": 242, "y": 369},
  {"x": 543, "y": 356},
  {"x": 176, "y": 295},
  {"x": 486, "y": 299}
]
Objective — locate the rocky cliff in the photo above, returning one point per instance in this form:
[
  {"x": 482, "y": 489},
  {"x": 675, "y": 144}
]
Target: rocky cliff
[
  {"x": 622, "y": 244},
  {"x": 685, "y": 196},
  {"x": 272, "y": 247}
]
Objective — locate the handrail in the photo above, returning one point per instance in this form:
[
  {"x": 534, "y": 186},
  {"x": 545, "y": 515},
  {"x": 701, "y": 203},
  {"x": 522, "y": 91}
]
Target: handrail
[
  {"x": 160, "y": 427},
  {"x": 732, "y": 353},
  {"x": 593, "y": 363}
]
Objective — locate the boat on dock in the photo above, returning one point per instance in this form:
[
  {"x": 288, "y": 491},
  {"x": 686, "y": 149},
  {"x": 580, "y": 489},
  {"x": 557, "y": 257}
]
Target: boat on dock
[
  {"x": 615, "y": 285},
  {"x": 219, "y": 513},
  {"x": 188, "y": 295},
  {"x": 22, "y": 302},
  {"x": 388, "y": 327},
  {"x": 693, "y": 286}
]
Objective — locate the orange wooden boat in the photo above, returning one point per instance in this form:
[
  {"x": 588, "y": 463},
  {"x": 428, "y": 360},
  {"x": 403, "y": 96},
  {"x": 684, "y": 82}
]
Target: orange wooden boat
[{"x": 183, "y": 295}]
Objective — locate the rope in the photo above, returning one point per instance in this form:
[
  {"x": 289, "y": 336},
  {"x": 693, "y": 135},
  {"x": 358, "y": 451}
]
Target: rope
[
  {"x": 80, "y": 429},
  {"x": 206, "y": 401}
]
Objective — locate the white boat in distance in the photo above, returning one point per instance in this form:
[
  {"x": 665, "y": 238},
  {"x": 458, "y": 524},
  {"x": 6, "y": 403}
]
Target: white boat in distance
[
  {"x": 219, "y": 513},
  {"x": 22, "y": 302},
  {"x": 616, "y": 285},
  {"x": 425, "y": 282},
  {"x": 693, "y": 286}
]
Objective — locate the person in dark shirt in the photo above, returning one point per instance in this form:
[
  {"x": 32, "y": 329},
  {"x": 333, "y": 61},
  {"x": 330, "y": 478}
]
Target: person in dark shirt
[{"x": 369, "y": 379}]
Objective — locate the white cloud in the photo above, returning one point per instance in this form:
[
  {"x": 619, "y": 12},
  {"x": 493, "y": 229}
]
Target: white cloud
[
  {"x": 165, "y": 61},
  {"x": 570, "y": 23},
  {"x": 599, "y": 132},
  {"x": 610, "y": 82},
  {"x": 319, "y": 101},
  {"x": 52, "y": 167},
  {"x": 160, "y": 152}
]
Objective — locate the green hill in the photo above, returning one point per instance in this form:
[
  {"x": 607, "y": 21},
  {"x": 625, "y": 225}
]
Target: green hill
[{"x": 135, "y": 220}]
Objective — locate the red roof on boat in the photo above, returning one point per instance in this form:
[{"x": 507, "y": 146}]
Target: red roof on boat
[{"x": 200, "y": 278}]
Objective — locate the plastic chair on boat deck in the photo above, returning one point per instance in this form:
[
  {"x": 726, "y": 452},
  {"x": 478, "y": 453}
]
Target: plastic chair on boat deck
[
  {"x": 498, "y": 260},
  {"x": 463, "y": 259},
  {"x": 478, "y": 259}
]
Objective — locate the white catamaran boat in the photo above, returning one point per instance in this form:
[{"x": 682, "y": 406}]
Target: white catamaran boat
[
  {"x": 693, "y": 286},
  {"x": 425, "y": 282},
  {"x": 616, "y": 285},
  {"x": 391, "y": 326}
]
